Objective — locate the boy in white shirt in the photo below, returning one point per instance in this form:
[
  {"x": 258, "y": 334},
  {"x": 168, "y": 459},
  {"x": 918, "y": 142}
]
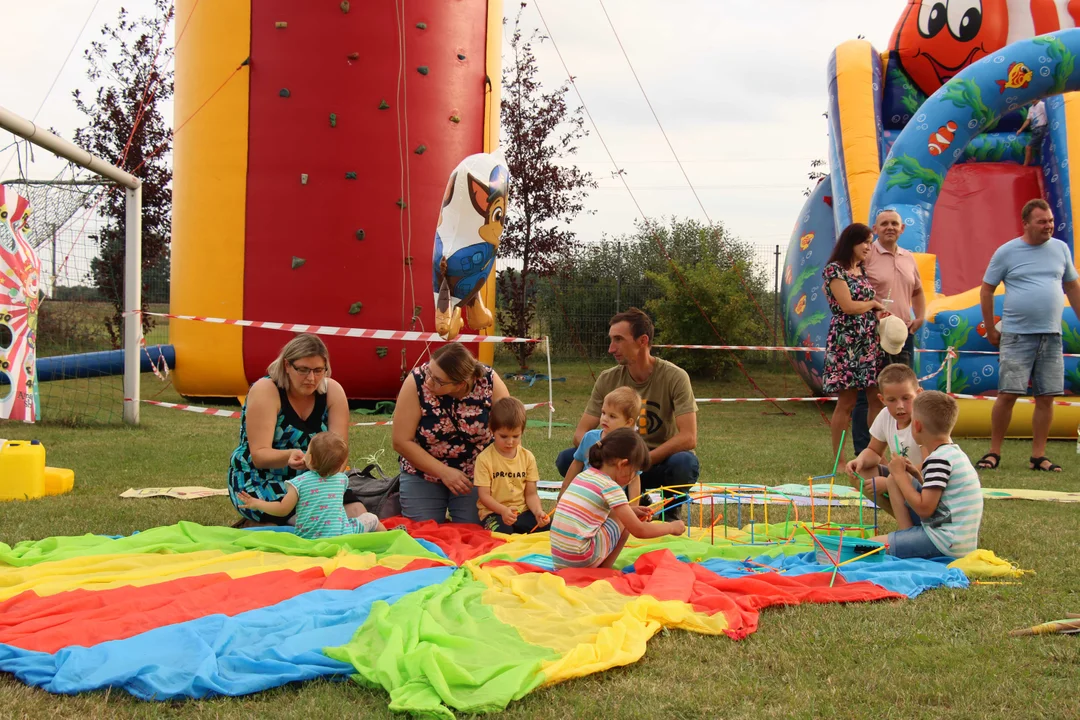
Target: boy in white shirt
[
  {"x": 897, "y": 388},
  {"x": 1036, "y": 120}
]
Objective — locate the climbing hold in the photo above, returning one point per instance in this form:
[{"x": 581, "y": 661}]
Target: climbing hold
[
  {"x": 360, "y": 234},
  {"x": 401, "y": 203},
  {"x": 408, "y": 259},
  {"x": 281, "y": 25},
  {"x": 344, "y": 6},
  {"x": 421, "y": 26},
  {"x": 356, "y": 307},
  {"x": 420, "y": 149},
  {"x": 381, "y": 351},
  {"x": 354, "y": 56},
  {"x": 460, "y": 56},
  {"x": 455, "y": 119},
  {"x": 298, "y": 262},
  {"x": 284, "y": 92},
  {"x": 417, "y": 310},
  {"x": 384, "y": 105},
  {"x": 350, "y": 176},
  {"x": 423, "y": 69},
  {"x": 333, "y": 120},
  {"x": 303, "y": 178},
  {"x": 246, "y": 61}
]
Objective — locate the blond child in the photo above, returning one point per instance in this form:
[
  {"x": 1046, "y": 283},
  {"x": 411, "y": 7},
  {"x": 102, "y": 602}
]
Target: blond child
[
  {"x": 506, "y": 474},
  {"x": 621, "y": 409},
  {"x": 897, "y": 389},
  {"x": 316, "y": 495},
  {"x": 593, "y": 518},
  {"x": 939, "y": 509}
]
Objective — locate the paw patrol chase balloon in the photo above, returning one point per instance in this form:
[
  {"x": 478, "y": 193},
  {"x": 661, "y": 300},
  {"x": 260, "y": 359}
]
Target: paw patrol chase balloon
[{"x": 468, "y": 234}]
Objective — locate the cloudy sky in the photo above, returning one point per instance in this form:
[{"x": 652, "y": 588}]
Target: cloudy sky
[{"x": 738, "y": 86}]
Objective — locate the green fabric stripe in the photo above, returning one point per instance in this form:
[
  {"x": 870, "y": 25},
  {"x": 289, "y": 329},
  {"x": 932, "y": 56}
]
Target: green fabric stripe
[
  {"x": 442, "y": 646},
  {"x": 188, "y": 537}
]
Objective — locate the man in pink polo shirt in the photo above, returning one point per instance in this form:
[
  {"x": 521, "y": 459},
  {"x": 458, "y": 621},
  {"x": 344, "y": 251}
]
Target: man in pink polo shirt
[{"x": 895, "y": 277}]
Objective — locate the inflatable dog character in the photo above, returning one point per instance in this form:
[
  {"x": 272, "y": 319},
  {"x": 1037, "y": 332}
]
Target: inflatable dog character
[{"x": 468, "y": 234}]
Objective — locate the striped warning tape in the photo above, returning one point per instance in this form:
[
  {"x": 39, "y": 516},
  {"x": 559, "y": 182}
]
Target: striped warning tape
[
  {"x": 236, "y": 413},
  {"x": 402, "y": 335}
]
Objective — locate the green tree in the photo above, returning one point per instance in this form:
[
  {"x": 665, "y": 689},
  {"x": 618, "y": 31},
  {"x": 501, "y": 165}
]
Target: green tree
[{"x": 125, "y": 124}]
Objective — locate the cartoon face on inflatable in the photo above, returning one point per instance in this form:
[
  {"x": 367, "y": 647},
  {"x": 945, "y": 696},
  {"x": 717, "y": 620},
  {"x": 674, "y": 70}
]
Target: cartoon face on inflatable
[
  {"x": 468, "y": 234},
  {"x": 936, "y": 39}
]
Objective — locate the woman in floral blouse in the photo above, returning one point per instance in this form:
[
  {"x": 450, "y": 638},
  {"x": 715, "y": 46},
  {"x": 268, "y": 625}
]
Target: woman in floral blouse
[
  {"x": 852, "y": 352},
  {"x": 440, "y": 426}
]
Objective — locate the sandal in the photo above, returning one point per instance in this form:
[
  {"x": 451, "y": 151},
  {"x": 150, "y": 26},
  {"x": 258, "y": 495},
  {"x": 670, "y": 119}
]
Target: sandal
[
  {"x": 989, "y": 461},
  {"x": 1037, "y": 464}
]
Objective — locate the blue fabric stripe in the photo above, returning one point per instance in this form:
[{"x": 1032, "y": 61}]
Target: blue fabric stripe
[
  {"x": 220, "y": 655},
  {"x": 908, "y": 577}
]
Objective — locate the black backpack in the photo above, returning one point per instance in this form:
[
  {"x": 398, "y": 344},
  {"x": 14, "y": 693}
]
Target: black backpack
[{"x": 379, "y": 493}]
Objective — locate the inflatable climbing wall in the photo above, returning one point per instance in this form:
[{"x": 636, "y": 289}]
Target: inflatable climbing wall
[{"x": 313, "y": 142}]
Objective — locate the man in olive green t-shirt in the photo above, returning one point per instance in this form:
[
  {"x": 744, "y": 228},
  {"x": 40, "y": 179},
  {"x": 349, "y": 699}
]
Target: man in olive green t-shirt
[{"x": 669, "y": 424}]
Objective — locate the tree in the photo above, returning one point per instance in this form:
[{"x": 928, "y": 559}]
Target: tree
[
  {"x": 540, "y": 132},
  {"x": 815, "y": 175},
  {"x": 125, "y": 125}
]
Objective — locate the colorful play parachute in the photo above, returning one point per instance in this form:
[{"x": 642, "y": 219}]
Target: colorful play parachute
[{"x": 439, "y": 616}]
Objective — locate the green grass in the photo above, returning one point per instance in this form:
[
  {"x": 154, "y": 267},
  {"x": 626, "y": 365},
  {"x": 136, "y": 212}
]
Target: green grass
[{"x": 945, "y": 653}]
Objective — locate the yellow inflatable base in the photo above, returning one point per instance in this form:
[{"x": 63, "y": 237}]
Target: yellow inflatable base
[{"x": 974, "y": 420}]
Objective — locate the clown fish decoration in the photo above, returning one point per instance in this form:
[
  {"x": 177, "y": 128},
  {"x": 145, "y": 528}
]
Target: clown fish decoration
[
  {"x": 936, "y": 39},
  {"x": 468, "y": 234},
  {"x": 942, "y": 138}
]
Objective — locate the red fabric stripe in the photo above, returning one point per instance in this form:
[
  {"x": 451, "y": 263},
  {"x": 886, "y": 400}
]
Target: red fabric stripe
[
  {"x": 1074, "y": 11},
  {"x": 664, "y": 577},
  {"x": 89, "y": 617},
  {"x": 459, "y": 541},
  {"x": 1045, "y": 15}
]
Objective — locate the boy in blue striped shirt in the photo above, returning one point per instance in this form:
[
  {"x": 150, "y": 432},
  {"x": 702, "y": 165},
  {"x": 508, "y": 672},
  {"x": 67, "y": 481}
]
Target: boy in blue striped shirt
[{"x": 939, "y": 509}]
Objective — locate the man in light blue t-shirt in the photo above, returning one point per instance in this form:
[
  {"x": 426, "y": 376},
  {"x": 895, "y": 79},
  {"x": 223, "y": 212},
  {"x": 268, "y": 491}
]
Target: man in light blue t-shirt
[{"x": 1035, "y": 268}]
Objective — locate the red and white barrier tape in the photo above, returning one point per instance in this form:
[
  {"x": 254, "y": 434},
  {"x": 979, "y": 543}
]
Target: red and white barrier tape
[
  {"x": 236, "y": 413},
  {"x": 402, "y": 335},
  {"x": 950, "y": 354},
  {"x": 769, "y": 400},
  {"x": 1019, "y": 399}
]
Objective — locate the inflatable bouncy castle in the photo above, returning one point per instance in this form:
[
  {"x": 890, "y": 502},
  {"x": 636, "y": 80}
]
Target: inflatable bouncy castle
[
  {"x": 313, "y": 145},
  {"x": 930, "y": 128}
]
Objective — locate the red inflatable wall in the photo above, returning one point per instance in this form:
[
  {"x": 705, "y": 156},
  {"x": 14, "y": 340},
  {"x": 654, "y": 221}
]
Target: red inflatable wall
[
  {"x": 978, "y": 210},
  {"x": 408, "y": 104}
]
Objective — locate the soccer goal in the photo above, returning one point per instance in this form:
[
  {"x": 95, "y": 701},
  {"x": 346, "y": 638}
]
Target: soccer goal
[{"x": 132, "y": 283}]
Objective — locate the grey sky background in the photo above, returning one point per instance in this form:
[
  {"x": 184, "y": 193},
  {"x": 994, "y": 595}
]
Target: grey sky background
[{"x": 738, "y": 86}]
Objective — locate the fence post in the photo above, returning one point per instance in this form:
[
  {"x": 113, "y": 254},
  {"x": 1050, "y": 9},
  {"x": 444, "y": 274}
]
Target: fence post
[
  {"x": 618, "y": 277},
  {"x": 776, "y": 300}
]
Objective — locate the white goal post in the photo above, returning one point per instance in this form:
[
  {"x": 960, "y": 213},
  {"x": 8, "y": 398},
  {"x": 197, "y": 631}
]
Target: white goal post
[{"x": 132, "y": 241}]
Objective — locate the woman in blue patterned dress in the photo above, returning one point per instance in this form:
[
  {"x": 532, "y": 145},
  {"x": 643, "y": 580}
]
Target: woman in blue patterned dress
[
  {"x": 440, "y": 426},
  {"x": 283, "y": 411},
  {"x": 852, "y": 351}
]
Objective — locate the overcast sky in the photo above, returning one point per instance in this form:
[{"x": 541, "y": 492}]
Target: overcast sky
[{"x": 738, "y": 86}]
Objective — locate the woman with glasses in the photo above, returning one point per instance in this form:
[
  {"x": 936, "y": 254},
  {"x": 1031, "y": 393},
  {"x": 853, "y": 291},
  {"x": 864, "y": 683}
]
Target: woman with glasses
[
  {"x": 440, "y": 426},
  {"x": 283, "y": 411}
]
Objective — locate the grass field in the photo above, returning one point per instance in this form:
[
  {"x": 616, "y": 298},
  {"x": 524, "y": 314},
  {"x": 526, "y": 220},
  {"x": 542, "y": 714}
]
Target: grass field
[{"x": 944, "y": 654}]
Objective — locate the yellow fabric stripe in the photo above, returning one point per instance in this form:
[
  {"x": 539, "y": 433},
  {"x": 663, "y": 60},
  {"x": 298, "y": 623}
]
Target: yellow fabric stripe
[
  {"x": 209, "y": 195},
  {"x": 858, "y": 131},
  {"x": 104, "y": 572},
  {"x": 593, "y": 628},
  {"x": 1072, "y": 132}
]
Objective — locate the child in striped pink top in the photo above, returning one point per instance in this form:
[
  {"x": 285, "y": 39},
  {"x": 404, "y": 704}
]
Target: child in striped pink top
[{"x": 593, "y": 519}]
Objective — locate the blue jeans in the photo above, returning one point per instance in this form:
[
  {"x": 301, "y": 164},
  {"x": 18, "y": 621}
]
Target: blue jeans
[
  {"x": 682, "y": 468},
  {"x": 860, "y": 423},
  {"x": 423, "y": 500},
  {"x": 1034, "y": 357}
]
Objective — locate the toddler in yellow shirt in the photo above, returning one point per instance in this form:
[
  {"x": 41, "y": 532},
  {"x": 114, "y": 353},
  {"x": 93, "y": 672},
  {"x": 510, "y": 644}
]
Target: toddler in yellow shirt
[{"x": 506, "y": 474}]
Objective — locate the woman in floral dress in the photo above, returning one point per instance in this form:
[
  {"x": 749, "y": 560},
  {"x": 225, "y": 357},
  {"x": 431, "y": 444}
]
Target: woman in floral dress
[
  {"x": 440, "y": 426},
  {"x": 852, "y": 352}
]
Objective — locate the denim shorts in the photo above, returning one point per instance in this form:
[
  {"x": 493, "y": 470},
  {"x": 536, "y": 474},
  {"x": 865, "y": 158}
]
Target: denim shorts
[
  {"x": 1034, "y": 357},
  {"x": 912, "y": 543}
]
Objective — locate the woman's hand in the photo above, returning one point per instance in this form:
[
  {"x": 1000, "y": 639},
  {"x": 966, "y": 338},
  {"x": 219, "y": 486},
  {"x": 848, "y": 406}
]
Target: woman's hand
[
  {"x": 296, "y": 460},
  {"x": 456, "y": 481},
  {"x": 877, "y": 306}
]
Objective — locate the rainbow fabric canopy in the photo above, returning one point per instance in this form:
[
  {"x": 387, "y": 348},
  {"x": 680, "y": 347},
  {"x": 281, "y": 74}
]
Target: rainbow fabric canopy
[{"x": 440, "y": 617}]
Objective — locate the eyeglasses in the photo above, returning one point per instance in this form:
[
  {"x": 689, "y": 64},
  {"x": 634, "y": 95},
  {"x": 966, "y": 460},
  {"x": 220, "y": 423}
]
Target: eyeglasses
[
  {"x": 305, "y": 371},
  {"x": 437, "y": 382}
]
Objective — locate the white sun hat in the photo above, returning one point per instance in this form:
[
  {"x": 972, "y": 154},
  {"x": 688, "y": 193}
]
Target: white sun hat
[{"x": 893, "y": 333}]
